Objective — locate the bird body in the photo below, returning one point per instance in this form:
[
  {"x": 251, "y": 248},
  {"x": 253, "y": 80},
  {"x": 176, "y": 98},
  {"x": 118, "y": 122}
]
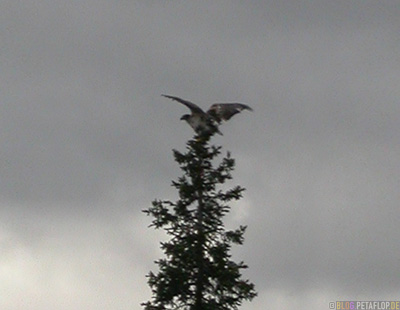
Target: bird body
[
  {"x": 207, "y": 122},
  {"x": 195, "y": 121}
]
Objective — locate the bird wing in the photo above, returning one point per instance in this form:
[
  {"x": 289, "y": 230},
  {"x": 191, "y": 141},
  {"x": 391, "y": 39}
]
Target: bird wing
[
  {"x": 194, "y": 108},
  {"x": 224, "y": 111}
]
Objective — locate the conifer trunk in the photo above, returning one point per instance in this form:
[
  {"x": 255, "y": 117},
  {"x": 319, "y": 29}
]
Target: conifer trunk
[{"x": 200, "y": 253}]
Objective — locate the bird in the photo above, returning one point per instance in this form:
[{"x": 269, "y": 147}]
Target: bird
[{"x": 206, "y": 123}]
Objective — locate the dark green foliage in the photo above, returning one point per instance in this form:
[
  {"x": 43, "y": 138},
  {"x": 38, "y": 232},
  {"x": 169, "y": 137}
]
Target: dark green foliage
[{"x": 197, "y": 272}]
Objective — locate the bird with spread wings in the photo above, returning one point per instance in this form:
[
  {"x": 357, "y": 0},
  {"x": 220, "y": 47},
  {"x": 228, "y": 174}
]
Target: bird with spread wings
[{"x": 206, "y": 123}]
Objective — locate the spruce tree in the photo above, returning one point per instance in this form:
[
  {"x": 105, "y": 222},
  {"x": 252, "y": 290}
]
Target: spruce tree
[{"x": 197, "y": 272}]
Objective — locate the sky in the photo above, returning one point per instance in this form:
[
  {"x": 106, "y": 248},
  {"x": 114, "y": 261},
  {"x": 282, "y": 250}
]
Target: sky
[{"x": 86, "y": 144}]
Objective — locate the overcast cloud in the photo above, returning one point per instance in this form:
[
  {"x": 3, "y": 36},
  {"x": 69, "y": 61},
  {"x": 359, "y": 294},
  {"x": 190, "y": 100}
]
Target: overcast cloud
[{"x": 86, "y": 144}]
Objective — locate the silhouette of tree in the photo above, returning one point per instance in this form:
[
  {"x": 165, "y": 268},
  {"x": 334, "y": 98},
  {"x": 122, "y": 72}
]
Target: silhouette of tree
[{"x": 197, "y": 272}]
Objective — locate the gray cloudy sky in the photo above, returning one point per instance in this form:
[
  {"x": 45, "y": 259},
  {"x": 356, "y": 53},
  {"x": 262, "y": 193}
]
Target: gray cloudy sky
[{"x": 86, "y": 144}]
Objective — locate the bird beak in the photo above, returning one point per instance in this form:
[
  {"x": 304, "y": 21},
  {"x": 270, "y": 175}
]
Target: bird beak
[{"x": 182, "y": 118}]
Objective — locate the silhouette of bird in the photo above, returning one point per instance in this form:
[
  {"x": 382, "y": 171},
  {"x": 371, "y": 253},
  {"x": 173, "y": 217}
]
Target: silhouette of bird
[{"x": 207, "y": 122}]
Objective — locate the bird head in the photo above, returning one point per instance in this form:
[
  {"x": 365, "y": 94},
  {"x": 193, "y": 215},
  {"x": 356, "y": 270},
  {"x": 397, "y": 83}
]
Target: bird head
[{"x": 185, "y": 117}]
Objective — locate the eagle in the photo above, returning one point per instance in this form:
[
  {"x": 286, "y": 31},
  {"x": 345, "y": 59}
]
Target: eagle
[{"x": 206, "y": 123}]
